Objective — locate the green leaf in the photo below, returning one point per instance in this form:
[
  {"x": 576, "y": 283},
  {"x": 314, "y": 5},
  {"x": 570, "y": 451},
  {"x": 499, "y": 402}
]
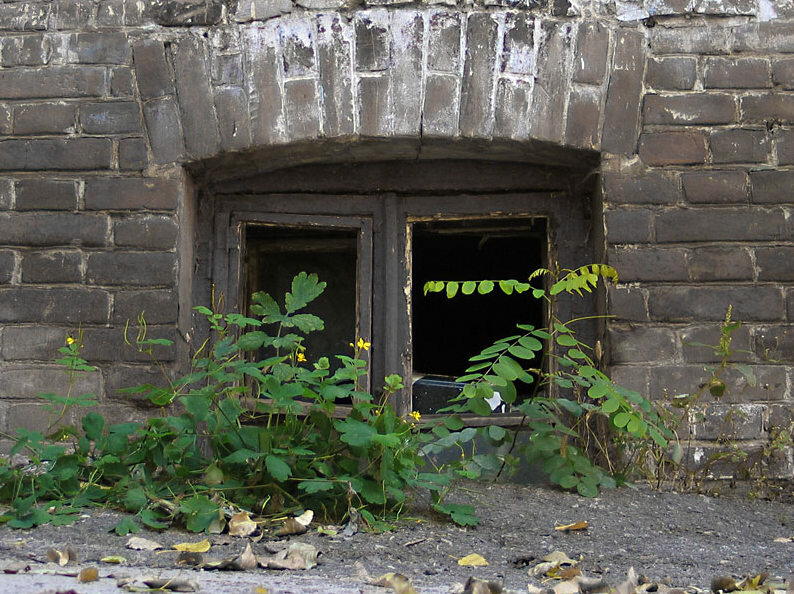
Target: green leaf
[
  {"x": 479, "y": 406},
  {"x": 621, "y": 419},
  {"x": 305, "y": 289},
  {"x": 241, "y": 456},
  {"x": 566, "y": 340},
  {"x": 461, "y": 514},
  {"x": 197, "y": 405},
  {"x": 355, "y": 432},
  {"x": 135, "y": 499},
  {"x": 531, "y": 343},
  {"x": 93, "y": 425},
  {"x": 506, "y": 286},
  {"x": 251, "y": 341},
  {"x": 452, "y": 289},
  {"x": 316, "y": 486},
  {"x": 610, "y": 405},
  {"x": 568, "y": 481},
  {"x": 305, "y": 323},
  {"x": 496, "y": 432},
  {"x": 277, "y": 468},
  {"x": 538, "y": 293},
  {"x": 571, "y": 406},
  {"x": 587, "y": 488},
  {"x": 126, "y": 526},
  {"x": 153, "y": 519},
  {"x": 468, "y": 287},
  {"x": 485, "y": 287}
]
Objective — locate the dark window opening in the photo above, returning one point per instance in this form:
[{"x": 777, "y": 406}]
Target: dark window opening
[
  {"x": 275, "y": 254},
  {"x": 446, "y": 332}
]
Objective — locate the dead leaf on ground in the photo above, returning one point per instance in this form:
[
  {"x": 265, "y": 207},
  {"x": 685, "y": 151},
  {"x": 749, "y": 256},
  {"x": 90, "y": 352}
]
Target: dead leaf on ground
[
  {"x": 188, "y": 558},
  {"x": 136, "y": 543},
  {"x": 245, "y": 561},
  {"x": 629, "y": 585},
  {"x": 575, "y": 527},
  {"x": 477, "y": 586},
  {"x": 473, "y": 560},
  {"x": 566, "y": 587},
  {"x": 784, "y": 539},
  {"x": 298, "y": 555},
  {"x": 723, "y": 584},
  {"x": 88, "y": 574},
  {"x": 62, "y": 557},
  {"x": 201, "y": 546},
  {"x": 396, "y": 581},
  {"x": 353, "y": 522},
  {"x": 555, "y": 565},
  {"x": 753, "y": 582},
  {"x": 116, "y": 559},
  {"x": 146, "y": 583},
  {"x": 242, "y": 525},
  {"x": 297, "y": 525}
]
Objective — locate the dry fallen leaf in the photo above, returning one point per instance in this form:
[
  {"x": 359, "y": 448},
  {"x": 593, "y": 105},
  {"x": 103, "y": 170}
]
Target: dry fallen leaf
[
  {"x": 629, "y": 586},
  {"x": 242, "y": 525},
  {"x": 566, "y": 587},
  {"x": 136, "y": 543},
  {"x": 477, "y": 586},
  {"x": 188, "y": 558},
  {"x": 89, "y": 574},
  {"x": 245, "y": 561},
  {"x": 473, "y": 560},
  {"x": 554, "y": 565},
  {"x": 117, "y": 559},
  {"x": 723, "y": 584},
  {"x": 396, "y": 581},
  {"x": 146, "y": 583},
  {"x": 201, "y": 546},
  {"x": 298, "y": 555},
  {"x": 298, "y": 525},
  {"x": 62, "y": 557},
  {"x": 575, "y": 527}
]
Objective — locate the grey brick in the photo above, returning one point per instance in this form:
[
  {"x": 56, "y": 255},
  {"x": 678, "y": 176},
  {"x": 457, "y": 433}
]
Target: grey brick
[
  {"x": 110, "y": 13},
  {"x": 55, "y": 81},
  {"x": 476, "y": 111},
  {"x": 231, "y": 106},
  {"x": 626, "y": 303},
  {"x": 738, "y": 422},
  {"x": 716, "y": 187},
  {"x": 42, "y": 194},
  {"x": 699, "y": 303},
  {"x": 71, "y": 14},
  {"x": 624, "y": 94},
  {"x": 720, "y": 264},
  {"x": 648, "y": 264},
  {"x": 689, "y": 110},
  {"x": 408, "y": 31},
  {"x": 44, "y": 118},
  {"x": 783, "y": 73},
  {"x": 147, "y": 232},
  {"x": 651, "y": 187},
  {"x": 195, "y": 97},
  {"x": 7, "y": 265},
  {"x": 24, "y": 16},
  {"x": 511, "y": 109},
  {"x": 35, "y": 342},
  {"x": 261, "y": 10},
  {"x": 130, "y": 268},
  {"x": 440, "y": 112},
  {"x": 547, "y": 114},
  {"x": 772, "y": 36},
  {"x": 151, "y": 69},
  {"x": 672, "y": 148},
  {"x": 725, "y": 7},
  {"x": 592, "y": 46},
  {"x": 133, "y": 154},
  {"x": 692, "y": 337},
  {"x": 45, "y": 153},
  {"x": 772, "y": 186},
  {"x": 265, "y": 100},
  {"x": 775, "y": 343},
  {"x": 45, "y": 228},
  {"x": 518, "y": 53},
  {"x": 768, "y": 108},
  {"x": 443, "y": 53},
  {"x": 297, "y": 48},
  {"x": 121, "y": 82},
  {"x": 107, "y": 344},
  {"x": 5, "y": 119},
  {"x": 785, "y": 147},
  {"x": 628, "y": 225},
  {"x": 722, "y": 224},
  {"x": 739, "y": 146},
  {"x": 52, "y": 267},
  {"x": 25, "y": 50},
  {"x": 54, "y": 305},
  {"x": 333, "y": 54},
  {"x": 374, "y": 95},
  {"x": 301, "y": 109},
  {"x": 641, "y": 344},
  {"x": 743, "y": 73},
  {"x": 127, "y": 376},
  {"x": 106, "y": 47},
  {"x": 584, "y": 114},
  {"x": 698, "y": 40},
  {"x": 165, "y": 133},
  {"x": 775, "y": 263},
  {"x": 6, "y": 193},
  {"x": 126, "y": 193},
  {"x": 226, "y": 69},
  {"x": 675, "y": 73},
  {"x": 373, "y": 42},
  {"x": 158, "y": 306},
  {"x": 117, "y": 117}
]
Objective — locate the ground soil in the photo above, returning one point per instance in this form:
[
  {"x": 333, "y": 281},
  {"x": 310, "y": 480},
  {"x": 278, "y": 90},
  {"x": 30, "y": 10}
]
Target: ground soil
[{"x": 686, "y": 539}]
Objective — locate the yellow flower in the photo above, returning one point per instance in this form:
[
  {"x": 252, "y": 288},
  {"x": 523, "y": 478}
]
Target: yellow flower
[
  {"x": 415, "y": 415},
  {"x": 363, "y": 344},
  {"x": 301, "y": 358},
  {"x": 69, "y": 340}
]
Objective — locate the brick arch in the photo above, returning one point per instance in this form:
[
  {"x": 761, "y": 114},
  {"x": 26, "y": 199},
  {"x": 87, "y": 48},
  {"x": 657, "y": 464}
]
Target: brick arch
[{"x": 511, "y": 82}]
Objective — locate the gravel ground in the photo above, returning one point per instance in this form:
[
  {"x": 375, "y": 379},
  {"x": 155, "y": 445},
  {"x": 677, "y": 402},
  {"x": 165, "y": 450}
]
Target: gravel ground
[{"x": 686, "y": 539}]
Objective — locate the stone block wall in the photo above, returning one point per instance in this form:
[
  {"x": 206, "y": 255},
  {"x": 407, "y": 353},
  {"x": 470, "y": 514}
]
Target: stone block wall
[{"x": 112, "y": 112}]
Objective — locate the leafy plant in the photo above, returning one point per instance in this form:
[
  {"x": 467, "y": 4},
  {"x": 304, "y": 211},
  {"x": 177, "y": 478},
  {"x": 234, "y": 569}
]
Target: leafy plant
[
  {"x": 253, "y": 425},
  {"x": 569, "y": 402}
]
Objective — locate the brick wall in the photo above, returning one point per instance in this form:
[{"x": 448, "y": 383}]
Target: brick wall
[{"x": 112, "y": 111}]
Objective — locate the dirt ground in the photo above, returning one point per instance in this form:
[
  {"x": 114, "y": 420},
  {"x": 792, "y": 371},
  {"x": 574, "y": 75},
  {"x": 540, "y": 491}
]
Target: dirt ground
[{"x": 686, "y": 539}]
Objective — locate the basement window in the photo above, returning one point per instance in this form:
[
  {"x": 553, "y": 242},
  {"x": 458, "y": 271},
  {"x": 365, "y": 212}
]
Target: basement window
[{"x": 446, "y": 332}]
